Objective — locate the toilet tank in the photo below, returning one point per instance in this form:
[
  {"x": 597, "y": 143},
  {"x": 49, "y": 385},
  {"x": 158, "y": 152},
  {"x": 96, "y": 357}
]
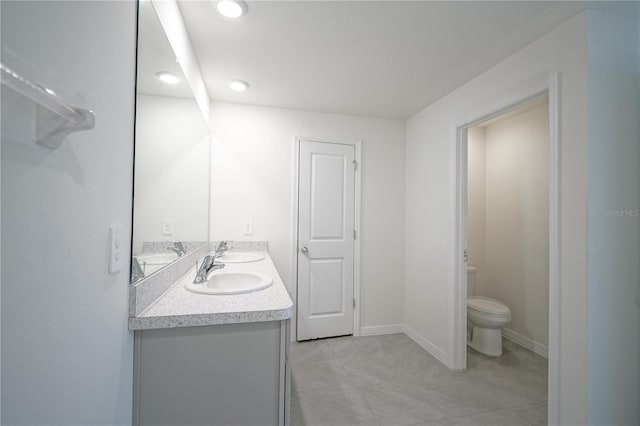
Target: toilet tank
[{"x": 471, "y": 280}]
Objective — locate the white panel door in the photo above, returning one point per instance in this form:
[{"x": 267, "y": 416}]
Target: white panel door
[{"x": 326, "y": 220}]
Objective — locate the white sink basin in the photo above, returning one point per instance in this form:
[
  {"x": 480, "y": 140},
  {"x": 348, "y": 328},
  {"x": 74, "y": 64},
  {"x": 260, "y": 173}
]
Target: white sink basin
[
  {"x": 240, "y": 257},
  {"x": 231, "y": 283}
]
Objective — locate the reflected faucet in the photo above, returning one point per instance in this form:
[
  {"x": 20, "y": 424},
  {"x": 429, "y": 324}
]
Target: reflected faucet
[
  {"x": 136, "y": 270},
  {"x": 207, "y": 266},
  {"x": 221, "y": 249},
  {"x": 178, "y": 248}
]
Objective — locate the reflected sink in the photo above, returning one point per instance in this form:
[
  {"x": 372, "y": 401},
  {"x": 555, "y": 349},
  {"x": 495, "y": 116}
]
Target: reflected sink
[
  {"x": 231, "y": 283},
  {"x": 240, "y": 257},
  {"x": 157, "y": 259},
  {"x": 151, "y": 263}
]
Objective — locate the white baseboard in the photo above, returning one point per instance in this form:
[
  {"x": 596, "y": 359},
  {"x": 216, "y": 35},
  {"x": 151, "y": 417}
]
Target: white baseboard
[
  {"x": 377, "y": 330},
  {"x": 425, "y": 344},
  {"x": 525, "y": 342}
]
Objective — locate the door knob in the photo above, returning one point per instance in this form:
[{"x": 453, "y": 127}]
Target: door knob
[{"x": 304, "y": 250}]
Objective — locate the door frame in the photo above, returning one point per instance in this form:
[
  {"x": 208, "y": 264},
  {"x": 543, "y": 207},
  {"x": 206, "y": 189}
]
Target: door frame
[
  {"x": 529, "y": 90},
  {"x": 357, "y": 144}
]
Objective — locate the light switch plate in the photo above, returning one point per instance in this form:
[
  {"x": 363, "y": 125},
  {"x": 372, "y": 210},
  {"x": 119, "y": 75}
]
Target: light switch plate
[
  {"x": 167, "y": 227},
  {"x": 115, "y": 256},
  {"x": 247, "y": 227}
]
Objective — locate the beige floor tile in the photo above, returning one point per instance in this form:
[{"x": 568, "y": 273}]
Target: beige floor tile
[
  {"x": 336, "y": 407},
  {"x": 534, "y": 416},
  {"x": 390, "y": 380}
]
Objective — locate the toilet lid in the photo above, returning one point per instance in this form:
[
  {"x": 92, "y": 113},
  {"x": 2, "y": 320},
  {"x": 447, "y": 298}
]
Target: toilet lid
[{"x": 488, "y": 306}]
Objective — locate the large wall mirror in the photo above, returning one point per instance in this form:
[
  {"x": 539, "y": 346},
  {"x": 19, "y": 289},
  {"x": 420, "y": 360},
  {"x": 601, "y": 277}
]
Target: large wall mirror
[{"x": 172, "y": 155}]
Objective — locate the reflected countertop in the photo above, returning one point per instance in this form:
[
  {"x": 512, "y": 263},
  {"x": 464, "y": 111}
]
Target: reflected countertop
[{"x": 178, "y": 307}]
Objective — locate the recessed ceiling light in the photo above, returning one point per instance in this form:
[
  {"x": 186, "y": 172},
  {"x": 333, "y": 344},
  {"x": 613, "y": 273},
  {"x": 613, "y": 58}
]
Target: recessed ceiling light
[
  {"x": 238, "y": 85},
  {"x": 167, "y": 77},
  {"x": 232, "y": 8}
]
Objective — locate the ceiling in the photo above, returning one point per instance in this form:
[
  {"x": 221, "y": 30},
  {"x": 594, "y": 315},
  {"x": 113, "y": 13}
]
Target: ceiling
[
  {"x": 155, "y": 54},
  {"x": 372, "y": 58}
]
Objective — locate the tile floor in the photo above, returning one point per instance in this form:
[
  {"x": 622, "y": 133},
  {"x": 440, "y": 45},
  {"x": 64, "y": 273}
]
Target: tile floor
[{"x": 390, "y": 380}]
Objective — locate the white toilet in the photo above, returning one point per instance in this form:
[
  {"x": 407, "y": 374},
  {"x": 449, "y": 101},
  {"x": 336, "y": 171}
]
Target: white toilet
[{"x": 485, "y": 319}]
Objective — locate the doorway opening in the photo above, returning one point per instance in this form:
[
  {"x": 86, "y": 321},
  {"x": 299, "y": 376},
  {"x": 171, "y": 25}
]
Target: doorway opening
[
  {"x": 507, "y": 230},
  {"x": 508, "y": 248}
]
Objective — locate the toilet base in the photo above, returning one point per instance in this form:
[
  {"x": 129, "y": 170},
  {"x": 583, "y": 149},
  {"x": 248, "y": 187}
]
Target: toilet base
[{"x": 487, "y": 341}]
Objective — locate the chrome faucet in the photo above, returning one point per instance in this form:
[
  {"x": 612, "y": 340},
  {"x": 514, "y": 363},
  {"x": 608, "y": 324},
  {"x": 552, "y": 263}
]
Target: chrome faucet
[
  {"x": 221, "y": 249},
  {"x": 178, "y": 248},
  {"x": 207, "y": 266}
]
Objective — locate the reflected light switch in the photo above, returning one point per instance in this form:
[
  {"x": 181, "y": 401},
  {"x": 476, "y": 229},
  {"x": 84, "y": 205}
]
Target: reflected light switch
[
  {"x": 167, "y": 227},
  {"x": 247, "y": 227}
]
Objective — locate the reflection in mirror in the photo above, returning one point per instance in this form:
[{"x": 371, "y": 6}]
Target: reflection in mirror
[{"x": 171, "y": 189}]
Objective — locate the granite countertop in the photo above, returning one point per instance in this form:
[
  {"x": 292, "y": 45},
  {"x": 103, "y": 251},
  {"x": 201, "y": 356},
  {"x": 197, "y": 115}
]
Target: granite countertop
[{"x": 178, "y": 307}]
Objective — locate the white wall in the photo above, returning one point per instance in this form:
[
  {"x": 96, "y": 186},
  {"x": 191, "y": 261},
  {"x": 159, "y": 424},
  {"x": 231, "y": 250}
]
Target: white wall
[
  {"x": 430, "y": 199},
  {"x": 66, "y": 351},
  {"x": 516, "y": 250},
  {"x": 172, "y": 170},
  {"x": 253, "y": 178},
  {"x": 476, "y": 202},
  {"x": 614, "y": 235}
]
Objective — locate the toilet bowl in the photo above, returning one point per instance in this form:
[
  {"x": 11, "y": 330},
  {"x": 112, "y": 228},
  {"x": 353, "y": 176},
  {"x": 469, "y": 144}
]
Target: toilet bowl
[{"x": 485, "y": 318}]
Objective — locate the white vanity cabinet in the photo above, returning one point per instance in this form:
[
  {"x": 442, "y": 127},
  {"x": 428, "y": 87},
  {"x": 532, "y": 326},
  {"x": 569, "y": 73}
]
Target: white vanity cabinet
[{"x": 229, "y": 374}]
